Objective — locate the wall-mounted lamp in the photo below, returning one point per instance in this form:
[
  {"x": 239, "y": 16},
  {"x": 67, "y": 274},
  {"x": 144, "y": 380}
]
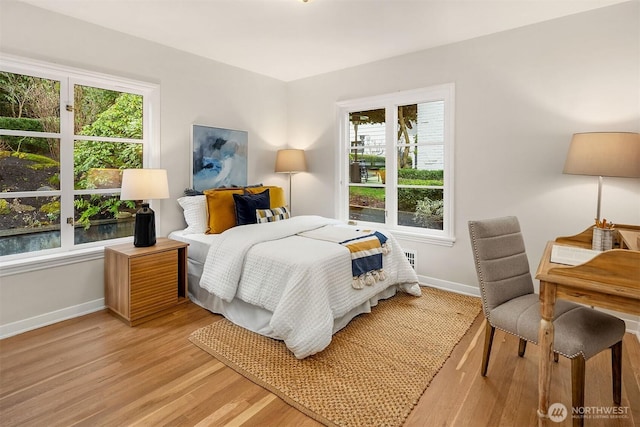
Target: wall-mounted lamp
[
  {"x": 290, "y": 161},
  {"x": 604, "y": 154},
  {"x": 144, "y": 184}
]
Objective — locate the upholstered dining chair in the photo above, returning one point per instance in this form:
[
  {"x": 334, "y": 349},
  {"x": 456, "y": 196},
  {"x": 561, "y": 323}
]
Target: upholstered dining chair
[{"x": 510, "y": 304}]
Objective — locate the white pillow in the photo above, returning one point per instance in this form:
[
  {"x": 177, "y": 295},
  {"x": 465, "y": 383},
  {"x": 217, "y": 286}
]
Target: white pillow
[{"x": 195, "y": 213}]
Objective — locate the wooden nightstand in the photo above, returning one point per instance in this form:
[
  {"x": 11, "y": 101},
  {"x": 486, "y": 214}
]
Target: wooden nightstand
[{"x": 143, "y": 283}]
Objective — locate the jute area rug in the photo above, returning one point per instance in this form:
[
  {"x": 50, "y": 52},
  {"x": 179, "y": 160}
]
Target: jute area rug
[{"x": 373, "y": 372}]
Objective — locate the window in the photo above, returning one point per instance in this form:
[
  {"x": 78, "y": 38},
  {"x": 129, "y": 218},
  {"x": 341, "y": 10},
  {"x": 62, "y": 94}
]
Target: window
[
  {"x": 396, "y": 162},
  {"x": 65, "y": 136}
]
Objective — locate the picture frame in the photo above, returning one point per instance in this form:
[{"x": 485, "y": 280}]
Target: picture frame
[{"x": 219, "y": 157}]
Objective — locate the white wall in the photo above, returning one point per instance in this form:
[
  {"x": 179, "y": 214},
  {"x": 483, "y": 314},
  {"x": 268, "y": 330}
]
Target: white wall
[
  {"x": 192, "y": 90},
  {"x": 520, "y": 95}
]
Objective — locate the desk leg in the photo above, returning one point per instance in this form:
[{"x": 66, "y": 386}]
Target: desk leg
[{"x": 545, "y": 340}]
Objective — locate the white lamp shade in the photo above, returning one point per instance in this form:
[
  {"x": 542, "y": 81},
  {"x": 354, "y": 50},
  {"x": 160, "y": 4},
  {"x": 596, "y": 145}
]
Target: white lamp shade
[
  {"x": 290, "y": 160},
  {"x": 604, "y": 154},
  {"x": 144, "y": 184}
]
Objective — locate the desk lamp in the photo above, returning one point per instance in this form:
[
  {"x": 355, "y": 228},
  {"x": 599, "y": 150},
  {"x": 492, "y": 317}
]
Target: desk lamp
[
  {"x": 144, "y": 184},
  {"x": 604, "y": 154},
  {"x": 290, "y": 161}
]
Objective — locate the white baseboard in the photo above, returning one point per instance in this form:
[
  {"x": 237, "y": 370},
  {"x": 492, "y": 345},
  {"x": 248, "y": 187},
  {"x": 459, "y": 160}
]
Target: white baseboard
[
  {"x": 458, "y": 288},
  {"x": 36, "y": 322}
]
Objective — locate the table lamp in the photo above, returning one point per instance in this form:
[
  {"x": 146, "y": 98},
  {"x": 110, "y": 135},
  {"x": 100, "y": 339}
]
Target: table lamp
[
  {"x": 602, "y": 154},
  {"x": 290, "y": 161},
  {"x": 144, "y": 184}
]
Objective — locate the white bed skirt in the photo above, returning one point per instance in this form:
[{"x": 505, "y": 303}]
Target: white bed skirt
[{"x": 256, "y": 318}]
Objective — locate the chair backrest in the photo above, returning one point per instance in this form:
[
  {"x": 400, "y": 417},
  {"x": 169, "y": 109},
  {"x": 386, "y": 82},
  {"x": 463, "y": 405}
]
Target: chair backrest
[{"x": 501, "y": 261}]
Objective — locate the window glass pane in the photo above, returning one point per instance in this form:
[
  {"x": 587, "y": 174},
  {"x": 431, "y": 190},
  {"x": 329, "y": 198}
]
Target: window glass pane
[
  {"x": 103, "y": 216},
  {"x": 29, "y": 224},
  {"x": 421, "y": 136},
  {"x": 421, "y": 207},
  {"x": 24, "y": 145},
  {"x": 367, "y": 151},
  {"x": 367, "y": 203},
  {"x": 408, "y": 176},
  {"x": 98, "y": 164},
  {"x": 372, "y": 164},
  {"x": 29, "y": 103},
  {"x": 26, "y": 171},
  {"x": 370, "y": 167},
  {"x": 101, "y": 112}
]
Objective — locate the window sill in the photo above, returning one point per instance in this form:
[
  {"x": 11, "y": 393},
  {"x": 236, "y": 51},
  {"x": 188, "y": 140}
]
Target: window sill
[
  {"x": 25, "y": 265},
  {"x": 406, "y": 233},
  {"x": 424, "y": 238}
]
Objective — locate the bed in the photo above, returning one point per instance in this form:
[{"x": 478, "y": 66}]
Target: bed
[{"x": 284, "y": 280}]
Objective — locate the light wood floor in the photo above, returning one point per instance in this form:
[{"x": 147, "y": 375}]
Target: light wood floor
[{"x": 96, "y": 371}]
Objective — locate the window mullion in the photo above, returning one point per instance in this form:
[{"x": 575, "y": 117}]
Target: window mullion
[
  {"x": 66, "y": 164},
  {"x": 391, "y": 191}
]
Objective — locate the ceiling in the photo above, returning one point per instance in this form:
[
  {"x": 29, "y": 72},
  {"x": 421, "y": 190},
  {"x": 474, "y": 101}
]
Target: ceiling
[{"x": 291, "y": 39}]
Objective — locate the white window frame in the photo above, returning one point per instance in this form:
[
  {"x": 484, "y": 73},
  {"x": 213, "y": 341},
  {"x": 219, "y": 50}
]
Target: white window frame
[
  {"x": 69, "y": 252},
  {"x": 391, "y": 102}
]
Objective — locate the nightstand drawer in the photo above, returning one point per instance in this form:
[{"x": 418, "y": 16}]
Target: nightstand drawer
[{"x": 154, "y": 281}]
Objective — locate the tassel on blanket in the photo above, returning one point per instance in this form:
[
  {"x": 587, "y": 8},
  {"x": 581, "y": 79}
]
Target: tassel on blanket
[{"x": 368, "y": 279}]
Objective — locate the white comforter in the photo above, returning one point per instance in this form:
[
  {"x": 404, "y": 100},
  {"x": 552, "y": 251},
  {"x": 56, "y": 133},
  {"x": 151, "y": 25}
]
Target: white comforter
[{"x": 304, "y": 282}]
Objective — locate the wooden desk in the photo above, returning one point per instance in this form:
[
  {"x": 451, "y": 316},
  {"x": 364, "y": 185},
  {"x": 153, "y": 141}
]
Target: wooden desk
[
  {"x": 626, "y": 237},
  {"x": 610, "y": 280},
  {"x": 629, "y": 239}
]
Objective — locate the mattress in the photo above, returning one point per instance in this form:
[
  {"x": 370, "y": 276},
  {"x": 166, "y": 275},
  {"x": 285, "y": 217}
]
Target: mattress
[{"x": 198, "y": 243}]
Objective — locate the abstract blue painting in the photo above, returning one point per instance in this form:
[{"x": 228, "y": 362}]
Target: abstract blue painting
[{"x": 219, "y": 157}]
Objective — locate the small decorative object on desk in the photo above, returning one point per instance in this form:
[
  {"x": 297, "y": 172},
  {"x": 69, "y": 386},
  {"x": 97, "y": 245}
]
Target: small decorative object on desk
[{"x": 602, "y": 236}]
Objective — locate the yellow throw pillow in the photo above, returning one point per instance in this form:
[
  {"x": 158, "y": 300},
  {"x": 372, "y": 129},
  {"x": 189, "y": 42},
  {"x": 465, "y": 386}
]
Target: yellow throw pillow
[{"x": 221, "y": 210}]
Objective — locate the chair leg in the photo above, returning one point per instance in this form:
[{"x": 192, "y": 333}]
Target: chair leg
[
  {"x": 489, "y": 331},
  {"x": 522, "y": 346},
  {"x": 616, "y": 372},
  {"x": 577, "y": 386}
]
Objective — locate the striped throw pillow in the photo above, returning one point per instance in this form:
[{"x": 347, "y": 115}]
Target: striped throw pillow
[{"x": 271, "y": 215}]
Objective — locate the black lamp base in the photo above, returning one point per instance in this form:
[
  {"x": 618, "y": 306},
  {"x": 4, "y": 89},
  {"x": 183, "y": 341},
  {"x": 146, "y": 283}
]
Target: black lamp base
[{"x": 145, "y": 229}]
